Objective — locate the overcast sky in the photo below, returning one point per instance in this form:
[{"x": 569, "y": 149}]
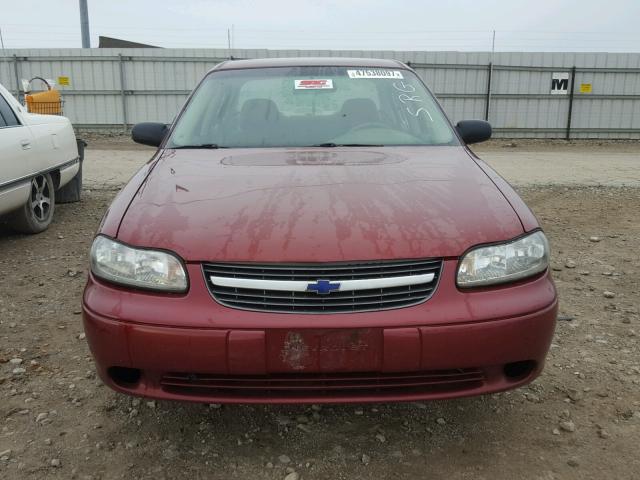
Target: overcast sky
[{"x": 542, "y": 25}]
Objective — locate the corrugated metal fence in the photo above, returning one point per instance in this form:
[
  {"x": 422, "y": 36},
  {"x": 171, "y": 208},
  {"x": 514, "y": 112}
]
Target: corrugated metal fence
[{"x": 114, "y": 88}]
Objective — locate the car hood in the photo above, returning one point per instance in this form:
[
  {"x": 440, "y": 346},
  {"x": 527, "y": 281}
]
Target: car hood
[{"x": 317, "y": 205}]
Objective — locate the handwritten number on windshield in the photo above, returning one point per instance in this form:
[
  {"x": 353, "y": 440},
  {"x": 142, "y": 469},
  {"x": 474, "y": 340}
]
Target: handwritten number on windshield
[
  {"x": 404, "y": 87},
  {"x": 420, "y": 110},
  {"x": 404, "y": 98}
]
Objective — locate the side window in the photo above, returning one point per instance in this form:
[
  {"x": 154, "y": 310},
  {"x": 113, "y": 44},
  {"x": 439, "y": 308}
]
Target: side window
[{"x": 7, "y": 117}]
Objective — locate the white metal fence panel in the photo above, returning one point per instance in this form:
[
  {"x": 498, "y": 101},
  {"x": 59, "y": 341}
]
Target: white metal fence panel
[{"x": 115, "y": 88}]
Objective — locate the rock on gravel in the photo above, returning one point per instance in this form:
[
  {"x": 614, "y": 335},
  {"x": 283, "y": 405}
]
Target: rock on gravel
[{"x": 568, "y": 426}]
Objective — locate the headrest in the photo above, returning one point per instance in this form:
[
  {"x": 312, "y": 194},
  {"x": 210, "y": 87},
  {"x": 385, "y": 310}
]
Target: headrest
[{"x": 259, "y": 109}]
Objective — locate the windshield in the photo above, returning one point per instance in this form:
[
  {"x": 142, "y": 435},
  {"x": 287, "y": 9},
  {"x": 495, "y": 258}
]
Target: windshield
[{"x": 311, "y": 106}]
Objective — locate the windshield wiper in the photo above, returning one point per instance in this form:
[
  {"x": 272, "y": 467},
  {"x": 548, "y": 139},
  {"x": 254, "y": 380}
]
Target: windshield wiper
[
  {"x": 331, "y": 144},
  {"x": 211, "y": 146}
]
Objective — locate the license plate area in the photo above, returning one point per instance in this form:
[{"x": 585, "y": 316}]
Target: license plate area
[{"x": 316, "y": 351}]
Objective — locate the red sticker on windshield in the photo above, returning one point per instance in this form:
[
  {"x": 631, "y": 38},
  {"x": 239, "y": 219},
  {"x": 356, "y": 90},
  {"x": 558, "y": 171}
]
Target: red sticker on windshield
[{"x": 315, "y": 84}]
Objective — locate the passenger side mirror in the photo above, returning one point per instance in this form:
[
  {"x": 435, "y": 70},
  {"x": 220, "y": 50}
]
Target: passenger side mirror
[
  {"x": 149, "y": 133},
  {"x": 474, "y": 131}
]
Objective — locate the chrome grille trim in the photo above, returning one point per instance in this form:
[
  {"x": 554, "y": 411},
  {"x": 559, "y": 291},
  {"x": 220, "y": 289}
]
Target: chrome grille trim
[
  {"x": 301, "y": 285},
  {"x": 282, "y": 288}
]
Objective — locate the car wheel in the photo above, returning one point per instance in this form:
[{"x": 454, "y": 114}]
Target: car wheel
[{"x": 36, "y": 215}]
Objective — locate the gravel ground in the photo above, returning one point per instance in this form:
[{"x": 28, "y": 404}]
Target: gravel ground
[
  {"x": 580, "y": 419},
  {"x": 111, "y": 162}
]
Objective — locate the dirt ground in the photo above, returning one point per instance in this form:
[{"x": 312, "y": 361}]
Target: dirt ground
[
  {"x": 110, "y": 161},
  {"x": 579, "y": 420}
]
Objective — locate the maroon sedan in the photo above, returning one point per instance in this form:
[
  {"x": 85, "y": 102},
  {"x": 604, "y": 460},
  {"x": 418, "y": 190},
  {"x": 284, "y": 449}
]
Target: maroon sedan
[{"x": 316, "y": 230}]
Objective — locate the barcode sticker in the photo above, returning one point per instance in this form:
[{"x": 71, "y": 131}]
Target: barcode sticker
[{"x": 375, "y": 73}]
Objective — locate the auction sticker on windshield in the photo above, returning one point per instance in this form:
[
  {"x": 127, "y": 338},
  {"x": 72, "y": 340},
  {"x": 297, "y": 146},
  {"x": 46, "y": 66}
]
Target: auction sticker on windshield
[
  {"x": 374, "y": 73},
  {"x": 315, "y": 84}
]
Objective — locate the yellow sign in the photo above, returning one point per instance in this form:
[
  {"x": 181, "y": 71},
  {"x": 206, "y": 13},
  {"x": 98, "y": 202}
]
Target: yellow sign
[
  {"x": 585, "y": 88},
  {"x": 64, "y": 81}
]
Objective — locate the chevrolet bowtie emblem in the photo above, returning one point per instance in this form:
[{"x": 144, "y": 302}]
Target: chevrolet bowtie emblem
[{"x": 323, "y": 287}]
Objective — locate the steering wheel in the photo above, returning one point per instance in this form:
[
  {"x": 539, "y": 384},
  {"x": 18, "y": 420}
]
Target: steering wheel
[{"x": 364, "y": 126}]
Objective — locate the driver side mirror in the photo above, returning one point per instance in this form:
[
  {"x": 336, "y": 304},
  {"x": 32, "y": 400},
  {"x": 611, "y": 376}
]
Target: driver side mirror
[
  {"x": 474, "y": 131},
  {"x": 149, "y": 133}
]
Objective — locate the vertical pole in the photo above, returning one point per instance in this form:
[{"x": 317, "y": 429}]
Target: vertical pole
[
  {"x": 487, "y": 107},
  {"x": 488, "y": 100},
  {"x": 493, "y": 45},
  {"x": 84, "y": 24},
  {"x": 233, "y": 38},
  {"x": 122, "y": 94},
  {"x": 4, "y": 57},
  {"x": 16, "y": 73},
  {"x": 570, "y": 109},
  {"x": 229, "y": 44}
]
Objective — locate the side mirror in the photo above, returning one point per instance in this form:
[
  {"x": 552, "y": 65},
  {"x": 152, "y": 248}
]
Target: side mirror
[
  {"x": 149, "y": 133},
  {"x": 474, "y": 131}
]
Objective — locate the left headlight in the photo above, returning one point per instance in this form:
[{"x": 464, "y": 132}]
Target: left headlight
[
  {"x": 135, "y": 267},
  {"x": 505, "y": 262}
]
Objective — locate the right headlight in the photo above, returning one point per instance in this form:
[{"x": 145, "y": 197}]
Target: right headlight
[
  {"x": 506, "y": 262},
  {"x": 136, "y": 267}
]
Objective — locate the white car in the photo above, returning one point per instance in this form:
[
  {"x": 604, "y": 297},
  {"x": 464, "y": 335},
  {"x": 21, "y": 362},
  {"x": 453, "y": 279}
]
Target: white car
[{"x": 38, "y": 157}]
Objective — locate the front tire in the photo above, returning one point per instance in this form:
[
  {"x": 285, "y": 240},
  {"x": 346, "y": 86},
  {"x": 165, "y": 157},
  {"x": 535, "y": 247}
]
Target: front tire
[{"x": 36, "y": 215}]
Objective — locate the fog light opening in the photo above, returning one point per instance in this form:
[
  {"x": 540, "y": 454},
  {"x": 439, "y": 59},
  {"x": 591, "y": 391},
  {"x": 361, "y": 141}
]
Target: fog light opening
[
  {"x": 125, "y": 377},
  {"x": 519, "y": 370}
]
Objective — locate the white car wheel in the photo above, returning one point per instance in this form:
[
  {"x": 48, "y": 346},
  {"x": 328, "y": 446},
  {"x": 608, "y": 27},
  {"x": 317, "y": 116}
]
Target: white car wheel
[{"x": 36, "y": 215}]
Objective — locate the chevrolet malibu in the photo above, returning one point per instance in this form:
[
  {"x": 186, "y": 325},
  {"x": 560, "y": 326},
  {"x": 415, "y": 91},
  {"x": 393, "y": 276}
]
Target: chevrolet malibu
[{"x": 316, "y": 230}]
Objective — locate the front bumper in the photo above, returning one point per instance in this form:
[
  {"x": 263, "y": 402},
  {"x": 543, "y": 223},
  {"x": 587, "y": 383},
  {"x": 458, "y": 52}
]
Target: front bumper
[{"x": 191, "y": 348}]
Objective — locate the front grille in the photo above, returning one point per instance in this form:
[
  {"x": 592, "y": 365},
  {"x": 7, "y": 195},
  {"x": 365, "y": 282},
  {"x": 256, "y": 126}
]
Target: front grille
[
  {"x": 321, "y": 385},
  {"x": 335, "y": 302}
]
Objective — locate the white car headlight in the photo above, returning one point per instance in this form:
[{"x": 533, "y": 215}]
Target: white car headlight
[
  {"x": 505, "y": 262},
  {"x": 134, "y": 267}
]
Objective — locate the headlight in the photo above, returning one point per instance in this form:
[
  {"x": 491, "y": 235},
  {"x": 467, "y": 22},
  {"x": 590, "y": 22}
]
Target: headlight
[
  {"x": 507, "y": 262},
  {"x": 149, "y": 269}
]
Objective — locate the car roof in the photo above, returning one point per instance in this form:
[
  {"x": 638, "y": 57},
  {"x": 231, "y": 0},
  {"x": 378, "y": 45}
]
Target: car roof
[{"x": 310, "y": 62}]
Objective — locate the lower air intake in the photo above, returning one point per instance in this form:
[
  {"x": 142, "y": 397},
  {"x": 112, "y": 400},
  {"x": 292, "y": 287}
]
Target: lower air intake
[{"x": 318, "y": 385}]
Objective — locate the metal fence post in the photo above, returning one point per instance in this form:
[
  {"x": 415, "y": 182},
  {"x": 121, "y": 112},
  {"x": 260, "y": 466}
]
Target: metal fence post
[
  {"x": 16, "y": 73},
  {"x": 570, "y": 109},
  {"x": 122, "y": 94},
  {"x": 488, "y": 100}
]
